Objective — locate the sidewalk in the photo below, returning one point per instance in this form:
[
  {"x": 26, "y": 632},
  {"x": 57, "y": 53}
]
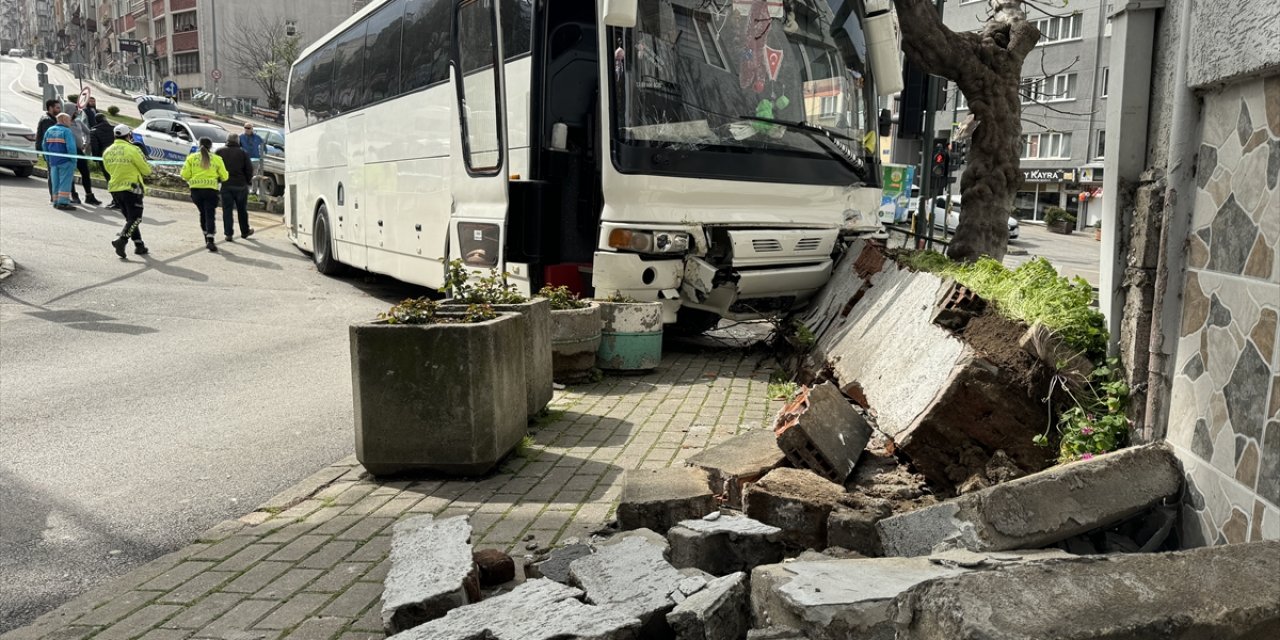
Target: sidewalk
[
  {"x": 309, "y": 564},
  {"x": 129, "y": 108}
]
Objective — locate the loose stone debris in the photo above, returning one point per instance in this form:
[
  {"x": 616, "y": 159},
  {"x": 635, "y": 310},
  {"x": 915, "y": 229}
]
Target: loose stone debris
[
  {"x": 796, "y": 501},
  {"x": 717, "y": 612},
  {"x": 633, "y": 578}
]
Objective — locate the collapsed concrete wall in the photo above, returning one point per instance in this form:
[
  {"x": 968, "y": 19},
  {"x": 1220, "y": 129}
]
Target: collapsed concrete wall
[{"x": 943, "y": 378}]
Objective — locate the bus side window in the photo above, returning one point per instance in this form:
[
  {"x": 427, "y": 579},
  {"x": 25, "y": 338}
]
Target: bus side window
[{"x": 424, "y": 57}]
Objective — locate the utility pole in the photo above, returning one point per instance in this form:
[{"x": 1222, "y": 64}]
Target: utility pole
[
  {"x": 924, "y": 212},
  {"x": 213, "y": 18}
]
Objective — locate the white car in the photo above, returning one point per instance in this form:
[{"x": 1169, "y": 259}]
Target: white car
[
  {"x": 949, "y": 221},
  {"x": 15, "y": 134},
  {"x": 169, "y": 139}
]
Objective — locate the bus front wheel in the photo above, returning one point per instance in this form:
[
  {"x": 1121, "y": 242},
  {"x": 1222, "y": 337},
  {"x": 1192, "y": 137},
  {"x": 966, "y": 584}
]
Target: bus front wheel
[{"x": 322, "y": 253}]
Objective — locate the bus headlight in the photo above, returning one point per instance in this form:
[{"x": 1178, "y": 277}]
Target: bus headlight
[{"x": 649, "y": 241}]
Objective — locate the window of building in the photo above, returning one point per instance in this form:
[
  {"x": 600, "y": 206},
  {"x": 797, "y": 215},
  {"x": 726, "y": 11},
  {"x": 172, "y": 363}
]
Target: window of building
[
  {"x": 1106, "y": 80},
  {"x": 184, "y": 22},
  {"x": 962, "y": 103},
  {"x": 830, "y": 105},
  {"x": 1057, "y": 88},
  {"x": 1059, "y": 28},
  {"x": 184, "y": 63},
  {"x": 1100, "y": 144},
  {"x": 696, "y": 40},
  {"x": 162, "y": 67},
  {"x": 1041, "y": 146},
  {"x": 1106, "y": 30},
  {"x": 160, "y": 26}
]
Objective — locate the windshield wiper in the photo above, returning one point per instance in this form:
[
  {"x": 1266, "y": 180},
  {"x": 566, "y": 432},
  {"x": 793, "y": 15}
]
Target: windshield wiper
[{"x": 834, "y": 146}]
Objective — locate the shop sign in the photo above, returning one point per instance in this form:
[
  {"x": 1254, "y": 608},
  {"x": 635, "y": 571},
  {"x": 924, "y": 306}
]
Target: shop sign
[{"x": 1048, "y": 175}]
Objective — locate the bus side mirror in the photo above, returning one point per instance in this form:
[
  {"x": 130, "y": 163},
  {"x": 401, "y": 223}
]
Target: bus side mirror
[
  {"x": 620, "y": 13},
  {"x": 885, "y": 127},
  {"x": 882, "y": 48}
]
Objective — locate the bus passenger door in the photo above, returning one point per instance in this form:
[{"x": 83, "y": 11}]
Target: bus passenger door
[{"x": 478, "y": 147}]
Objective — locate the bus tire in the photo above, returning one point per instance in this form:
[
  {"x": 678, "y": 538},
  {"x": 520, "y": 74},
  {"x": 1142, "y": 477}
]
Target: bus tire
[
  {"x": 693, "y": 322},
  {"x": 322, "y": 251}
]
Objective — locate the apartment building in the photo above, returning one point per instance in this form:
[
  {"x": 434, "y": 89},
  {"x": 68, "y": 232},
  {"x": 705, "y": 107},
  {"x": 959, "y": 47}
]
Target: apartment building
[{"x": 1064, "y": 91}]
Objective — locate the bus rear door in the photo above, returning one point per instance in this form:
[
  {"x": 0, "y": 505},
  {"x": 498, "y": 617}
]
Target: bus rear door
[{"x": 479, "y": 141}]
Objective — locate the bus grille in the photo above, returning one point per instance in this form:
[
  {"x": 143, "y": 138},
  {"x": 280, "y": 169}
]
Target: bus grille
[
  {"x": 809, "y": 244},
  {"x": 765, "y": 245}
]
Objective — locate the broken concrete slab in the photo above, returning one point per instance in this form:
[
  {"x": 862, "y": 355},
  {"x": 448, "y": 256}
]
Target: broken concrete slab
[
  {"x": 1042, "y": 508},
  {"x": 1228, "y": 591},
  {"x": 740, "y": 460},
  {"x": 631, "y": 576},
  {"x": 776, "y": 633},
  {"x": 838, "y": 599},
  {"x": 717, "y": 612},
  {"x": 535, "y": 610},
  {"x": 648, "y": 535},
  {"x": 431, "y": 573},
  {"x": 725, "y": 544},
  {"x": 820, "y": 431},
  {"x": 657, "y": 499},
  {"x": 556, "y": 565},
  {"x": 948, "y": 401},
  {"x": 796, "y": 501}
]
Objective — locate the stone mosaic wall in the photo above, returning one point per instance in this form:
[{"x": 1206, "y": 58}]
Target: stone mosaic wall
[{"x": 1225, "y": 405}]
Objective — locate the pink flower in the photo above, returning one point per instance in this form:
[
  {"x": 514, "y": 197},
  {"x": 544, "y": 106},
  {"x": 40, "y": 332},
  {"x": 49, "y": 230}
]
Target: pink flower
[
  {"x": 1088, "y": 431},
  {"x": 1086, "y": 456}
]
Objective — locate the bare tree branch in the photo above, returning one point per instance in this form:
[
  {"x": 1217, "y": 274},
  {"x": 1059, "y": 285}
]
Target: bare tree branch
[{"x": 261, "y": 51}]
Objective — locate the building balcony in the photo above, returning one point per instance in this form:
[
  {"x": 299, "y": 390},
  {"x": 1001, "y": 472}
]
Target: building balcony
[
  {"x": 181, "y": 5},
  {"x": 157, "y": 8},
  {"x": 186, "y": 41},
  {"x": 162, "y": 46},
  {"x": 140, "y": 10}
]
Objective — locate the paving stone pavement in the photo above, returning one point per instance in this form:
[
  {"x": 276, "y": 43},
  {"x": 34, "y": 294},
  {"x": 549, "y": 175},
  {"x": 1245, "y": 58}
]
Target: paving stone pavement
[{"x": 310, "y": 563}]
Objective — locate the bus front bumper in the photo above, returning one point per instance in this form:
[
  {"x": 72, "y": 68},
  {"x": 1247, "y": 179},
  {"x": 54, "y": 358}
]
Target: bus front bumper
[{"x": 733, "y": 292}]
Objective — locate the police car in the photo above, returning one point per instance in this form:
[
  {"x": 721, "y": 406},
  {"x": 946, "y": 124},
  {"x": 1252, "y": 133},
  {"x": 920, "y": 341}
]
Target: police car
[{"x": 173, "y": 139}]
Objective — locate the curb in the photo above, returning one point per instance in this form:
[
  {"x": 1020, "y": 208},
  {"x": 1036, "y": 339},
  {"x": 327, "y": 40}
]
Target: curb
[
  {"x": 41, "y": 627},
  {"x": 7, "y": 266},
  {"x": 163, "y": 194}
]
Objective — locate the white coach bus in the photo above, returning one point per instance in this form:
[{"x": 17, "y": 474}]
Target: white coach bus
[{"x": 706, "y": 153}]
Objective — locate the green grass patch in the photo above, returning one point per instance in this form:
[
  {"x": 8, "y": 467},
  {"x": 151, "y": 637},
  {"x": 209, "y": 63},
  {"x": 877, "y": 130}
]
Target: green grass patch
[
  {"x": 1033, "y": 292},
  {"x": 783, "y": 391},
  {"x": 129, "y": 120},
  {"x": 525, "y": 448}
]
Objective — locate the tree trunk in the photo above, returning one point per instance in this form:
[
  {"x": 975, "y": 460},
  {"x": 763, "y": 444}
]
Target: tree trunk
[{"x": 987, "y": 67}]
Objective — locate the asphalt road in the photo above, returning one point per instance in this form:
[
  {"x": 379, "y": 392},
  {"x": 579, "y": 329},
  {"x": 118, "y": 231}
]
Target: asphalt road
[
  {"x": 143, "y": 401},
  {"x": 1075, "y": 255}
]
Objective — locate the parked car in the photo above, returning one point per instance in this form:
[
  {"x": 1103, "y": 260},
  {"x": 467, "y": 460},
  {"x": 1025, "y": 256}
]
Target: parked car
[
  {"x": 172, "y": 139},
  {"x": 15, "y": 134},
  {"x": 17, "y": 53},
  {"x": 949, "y": 221},
  {"x": 272, "y": 161}
]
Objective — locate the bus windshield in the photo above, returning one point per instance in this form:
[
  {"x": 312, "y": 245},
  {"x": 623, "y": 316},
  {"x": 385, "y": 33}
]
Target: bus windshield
[{"x": 726, "y": 76}]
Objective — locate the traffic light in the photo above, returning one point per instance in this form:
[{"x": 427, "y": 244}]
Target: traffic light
[
  {"x": 940, "y": 164},
  {"x": 959, "y": 153}
]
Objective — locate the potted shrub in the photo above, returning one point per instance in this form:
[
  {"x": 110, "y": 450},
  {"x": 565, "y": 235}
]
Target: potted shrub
[
  {"x": 494, "y": 290},
  {"x": 1097, "y": 231},
  {"x": 433, "y": 390},
  {"x": 1059, "y": 220},
  {"x": 630, "y": 334},
  {"x": 575, "y": 334}
]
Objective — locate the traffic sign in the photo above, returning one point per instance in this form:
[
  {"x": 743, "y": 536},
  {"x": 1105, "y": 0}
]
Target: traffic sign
[
  {"x": 42, "y": 67},
  {"x": 85, "y": 93},
  {"x": 216, "y": 74},
  {"x": 170, "y": 88},
  {"x": 128, "y": 44}
]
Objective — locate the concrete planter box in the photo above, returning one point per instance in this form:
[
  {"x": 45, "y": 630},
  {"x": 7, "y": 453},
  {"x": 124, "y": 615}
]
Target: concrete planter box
[
  {"x": 630, "y": 336},
  {"x": 535, "y": 317},
  {"x": 1063, "y": 228},
  {"x": 575, "y": 338},
  {"x": 438, "y": 397}
]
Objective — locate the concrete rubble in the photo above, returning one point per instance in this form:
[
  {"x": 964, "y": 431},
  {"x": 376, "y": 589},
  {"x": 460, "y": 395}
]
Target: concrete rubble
[
  {"x": 1040, "y": 509},
  {"x": 717, "y": 612},
  {"x": 556, "y": 565},
  {"x": 1222, "y": 592},
  {"x": 431, "y": 573},
  {"x": 738, "y": 461},
  {"x": 632, "y": 578},
  {"x": 658, "y": 499},
  {"x": 721, "y": 545},
  {"x": 819, "y": 430},
  {"x": 949, "y": 395},
  {"x": 535, "y": 610},
  {"x": 495, "y": 567},
  {"x": 796, "y": 501}
]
